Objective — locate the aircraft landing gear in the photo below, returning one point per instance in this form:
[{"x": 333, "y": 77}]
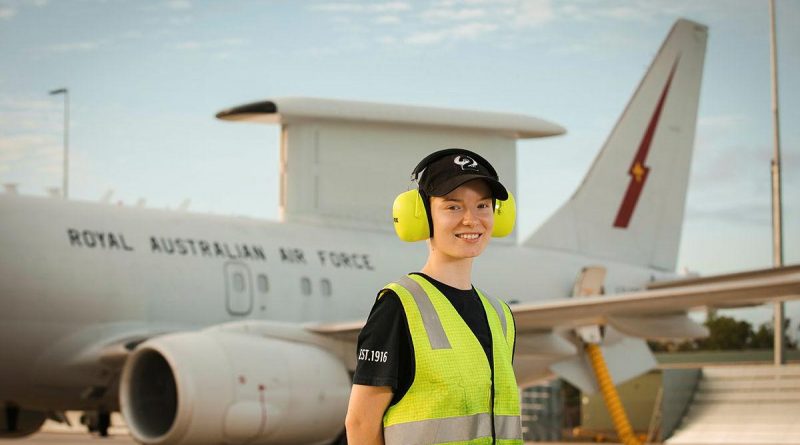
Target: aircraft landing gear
[
  {"x": 12, "y": 418},
  {"x": 103, "y": 422},
  {"x": 97, "y": 422},
  {"x": 18, "y": 422}
]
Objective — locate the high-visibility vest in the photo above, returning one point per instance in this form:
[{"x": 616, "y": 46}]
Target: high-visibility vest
[{"x": 453, "y": 398}]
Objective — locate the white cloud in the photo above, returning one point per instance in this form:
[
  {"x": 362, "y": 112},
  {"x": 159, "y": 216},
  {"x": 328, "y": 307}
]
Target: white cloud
[
  {"x": 467, "y": 31},
  {"x": 437, "y": 22},
  {"x": 51, "y": 160},
  {"x": 635, "y": 10},
  {"x": 6, "y": 12},
  {"x": 533, "y": 13},
  {"x": 571, "y": 48},
  {"x": 573, "y": 12},
  {"x": 387, "y": 20},
  {"x": 15, "y": 103},
  {"x": 20, "y": 116},
  {"x": 724, "y": 184},
  {"x": 445, "y": 14},
  {"x": 387, "y": 40},
  {"x": 29, "y": 120},
  {"x": 189, "y": 45},
  {"x": 628, "y": 13},
  {"x": 390, "y": 7},
  {"x": 488, "y": 2},
  {"x": 179, "y": 4},
  {"x": 211, "y": 44},
  {"x": 321, "y": 51},
  {"x": 338, "y": 7},
  {"x": 9, "y": 9},
  {"x": 179, "y": 21},
  {"x": 722, "y": 121},
  {"x": 132, "y": 35},
  {"x": 426, "y": 38},
  {"x": 14, "y": 148},
  {"x": 750, "y": 211},
  {"x": 73, "y": 47},
  {"x": 355, "y": 7},
  {"x": 37, "y": 148},
  {"x": 472, "y": 30}
]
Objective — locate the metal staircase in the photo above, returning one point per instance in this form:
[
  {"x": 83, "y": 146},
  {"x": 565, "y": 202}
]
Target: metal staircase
[{"x": 757, "y": 404}]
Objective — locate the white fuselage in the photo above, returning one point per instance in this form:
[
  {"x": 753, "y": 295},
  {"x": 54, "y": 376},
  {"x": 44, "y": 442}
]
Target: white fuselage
[{"x": 77, "y": 277}]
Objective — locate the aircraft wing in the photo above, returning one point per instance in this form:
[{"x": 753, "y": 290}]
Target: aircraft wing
[
  {"x": 546, "y": 344},
  {"x": 721, "y": 291},
  {"x": 665, "y": 301}
]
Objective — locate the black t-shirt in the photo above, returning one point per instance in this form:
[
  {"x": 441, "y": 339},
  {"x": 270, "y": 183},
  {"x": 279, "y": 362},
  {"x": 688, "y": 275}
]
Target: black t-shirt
[{"x": 385, "y": 350}]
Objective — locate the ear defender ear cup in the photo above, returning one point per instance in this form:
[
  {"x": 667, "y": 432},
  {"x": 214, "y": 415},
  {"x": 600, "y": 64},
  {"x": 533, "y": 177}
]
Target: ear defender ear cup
[
  {"x": 410, "y": 217},
  {"x": 505, "y": 214}
]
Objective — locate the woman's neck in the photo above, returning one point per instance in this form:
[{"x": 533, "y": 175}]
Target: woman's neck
[{"x": 455, "y": 273}]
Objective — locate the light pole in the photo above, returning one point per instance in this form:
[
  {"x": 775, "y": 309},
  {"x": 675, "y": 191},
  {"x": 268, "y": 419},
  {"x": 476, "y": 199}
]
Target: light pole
[
  {"x": 777, "y": 205},
  {"x": 65, "y": 92}
]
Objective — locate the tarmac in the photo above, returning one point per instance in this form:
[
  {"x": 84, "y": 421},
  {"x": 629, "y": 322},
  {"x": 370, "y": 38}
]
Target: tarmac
[
  {"x": 73, "y": 438},
  {"x": 53, "y": 433},
  {"x": 47, "y": 438}
]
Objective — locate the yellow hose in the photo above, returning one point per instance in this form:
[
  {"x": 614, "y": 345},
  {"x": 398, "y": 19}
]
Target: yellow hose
[{"x": 610, "y": 396}]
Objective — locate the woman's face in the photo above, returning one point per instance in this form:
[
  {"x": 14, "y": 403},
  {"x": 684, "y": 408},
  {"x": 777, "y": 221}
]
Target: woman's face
[{"x": 462, "y": 221}]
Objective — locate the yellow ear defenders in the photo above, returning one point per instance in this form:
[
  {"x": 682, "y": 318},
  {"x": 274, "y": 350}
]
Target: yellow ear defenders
[
  {"x": 410, "y": 212},
  {"x": 411, "y": 217}
]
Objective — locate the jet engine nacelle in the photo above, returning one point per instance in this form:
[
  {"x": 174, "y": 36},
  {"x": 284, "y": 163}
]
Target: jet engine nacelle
[{"x": 212, "y": 387}]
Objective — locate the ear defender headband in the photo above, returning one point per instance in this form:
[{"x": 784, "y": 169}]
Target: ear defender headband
[{"x": 411, "y": 211}]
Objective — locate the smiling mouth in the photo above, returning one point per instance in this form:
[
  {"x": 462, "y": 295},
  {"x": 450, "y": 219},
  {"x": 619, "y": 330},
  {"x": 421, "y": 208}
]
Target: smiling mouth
[{"x": 468, "y": 236}]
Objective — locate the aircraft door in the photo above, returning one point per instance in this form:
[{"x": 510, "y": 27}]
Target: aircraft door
[{"x": 238, "y": 288}]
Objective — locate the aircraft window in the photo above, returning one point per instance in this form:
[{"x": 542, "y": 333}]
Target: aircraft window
[
  {"x": 325, "y": 284},
  {"x": 263, "y": 283},
  {"x": 238, "y": 282},
  {"x": 305, "y": 285}
]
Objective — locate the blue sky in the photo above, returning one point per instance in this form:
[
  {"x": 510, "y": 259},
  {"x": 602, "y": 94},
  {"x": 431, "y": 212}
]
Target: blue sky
[{"x": 146, "y": 78}]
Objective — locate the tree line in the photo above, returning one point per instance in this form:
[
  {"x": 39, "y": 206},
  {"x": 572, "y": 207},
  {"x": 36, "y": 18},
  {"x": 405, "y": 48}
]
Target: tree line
[{"x": 728, "y": 334}]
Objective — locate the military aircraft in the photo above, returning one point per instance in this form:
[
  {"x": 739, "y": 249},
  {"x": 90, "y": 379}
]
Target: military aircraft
[{"x": 207, "y": 329}]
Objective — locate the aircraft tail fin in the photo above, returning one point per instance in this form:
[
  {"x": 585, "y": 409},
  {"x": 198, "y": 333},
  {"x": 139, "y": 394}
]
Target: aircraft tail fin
[{"x": 630, "y": 205}]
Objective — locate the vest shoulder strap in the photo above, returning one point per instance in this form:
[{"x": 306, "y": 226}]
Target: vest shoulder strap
[
  {"x": 430, "y": 318},
  {"x": 500, "y": 308}
]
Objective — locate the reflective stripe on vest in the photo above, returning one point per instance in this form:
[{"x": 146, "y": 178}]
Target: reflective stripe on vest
[
  {"x": 453, "y": 429},
  {"x": 430, "y": 318},
  {"x": 498, "y": 307},
  {"x": 450, "y": 398}
]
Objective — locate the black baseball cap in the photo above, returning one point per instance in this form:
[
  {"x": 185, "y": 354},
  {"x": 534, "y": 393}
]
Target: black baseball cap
[{"x": 443, "y": 171}]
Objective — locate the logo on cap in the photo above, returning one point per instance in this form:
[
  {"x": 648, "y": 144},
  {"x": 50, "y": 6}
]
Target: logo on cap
[{"x": 466, "y": 163}]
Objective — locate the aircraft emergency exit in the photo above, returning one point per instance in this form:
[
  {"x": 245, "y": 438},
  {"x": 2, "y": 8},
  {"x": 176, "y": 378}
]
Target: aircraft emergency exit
[{"x": 206, "y": 329}]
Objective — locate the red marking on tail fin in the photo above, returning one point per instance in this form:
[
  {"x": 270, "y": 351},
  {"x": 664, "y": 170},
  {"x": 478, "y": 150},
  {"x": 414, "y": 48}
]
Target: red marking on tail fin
[{"x": 638, "y": 171}]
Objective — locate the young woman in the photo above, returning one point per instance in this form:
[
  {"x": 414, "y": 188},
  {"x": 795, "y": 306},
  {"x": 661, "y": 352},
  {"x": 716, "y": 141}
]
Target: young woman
[{"x": 435, "y": 354}]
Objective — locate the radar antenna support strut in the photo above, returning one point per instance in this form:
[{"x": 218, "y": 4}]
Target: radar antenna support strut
[{"x": 615, "y": 409}]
